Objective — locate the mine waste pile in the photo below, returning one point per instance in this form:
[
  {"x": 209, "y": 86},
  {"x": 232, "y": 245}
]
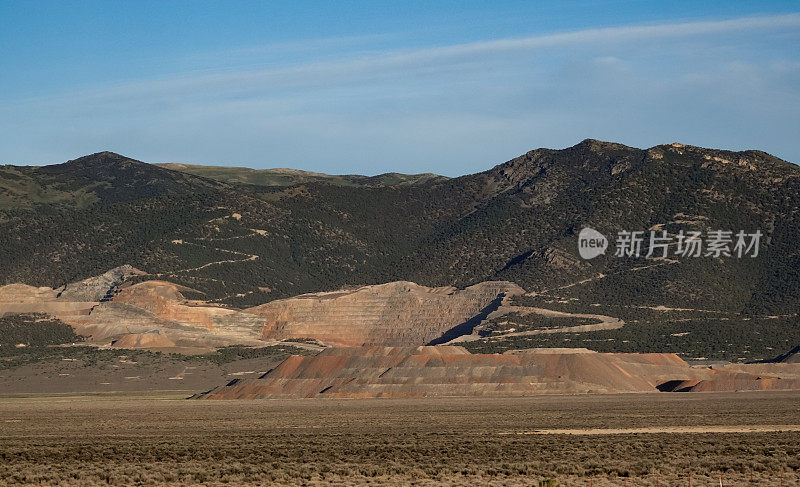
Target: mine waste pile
[{"x": 431, "y": 371}]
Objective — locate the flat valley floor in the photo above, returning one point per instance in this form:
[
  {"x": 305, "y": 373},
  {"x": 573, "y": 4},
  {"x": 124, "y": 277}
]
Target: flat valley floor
[{"x": 633, "y": 440}]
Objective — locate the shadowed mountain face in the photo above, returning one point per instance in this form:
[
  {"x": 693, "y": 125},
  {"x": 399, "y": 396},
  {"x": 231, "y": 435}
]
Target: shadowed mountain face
[{"x": 247, "y": 244}]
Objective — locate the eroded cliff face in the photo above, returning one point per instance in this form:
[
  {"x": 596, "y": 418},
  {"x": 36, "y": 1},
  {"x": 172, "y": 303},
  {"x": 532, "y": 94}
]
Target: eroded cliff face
[
  {"x": 106, "y": 308},
  {"x": 452, "y": 371},
  {"x": 100, "y": 287},
  {"x": 392, "y": 314}
]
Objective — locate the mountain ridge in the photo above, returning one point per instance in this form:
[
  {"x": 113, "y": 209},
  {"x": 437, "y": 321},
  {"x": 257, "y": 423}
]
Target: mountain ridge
[
  {"x": 242, "y": 245},
  {"x": 289, "y": 177}
]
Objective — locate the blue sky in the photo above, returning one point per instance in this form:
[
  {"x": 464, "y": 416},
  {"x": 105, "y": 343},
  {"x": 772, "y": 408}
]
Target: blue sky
[{"x": 370, "y": 87}]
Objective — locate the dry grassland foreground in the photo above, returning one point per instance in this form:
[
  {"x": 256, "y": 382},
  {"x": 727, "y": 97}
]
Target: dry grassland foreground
[{"x": 632, "y": 440}]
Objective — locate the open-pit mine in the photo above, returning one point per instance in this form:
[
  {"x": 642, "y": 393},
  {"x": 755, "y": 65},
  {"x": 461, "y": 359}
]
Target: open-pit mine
[{"x": 397, "y": 339}]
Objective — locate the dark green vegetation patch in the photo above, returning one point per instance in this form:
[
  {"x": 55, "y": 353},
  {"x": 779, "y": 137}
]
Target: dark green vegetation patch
[
  {"x": 712, "y": 336},
  {"x": 11, "y": 357},
  {"x": 34, "y": 330}
]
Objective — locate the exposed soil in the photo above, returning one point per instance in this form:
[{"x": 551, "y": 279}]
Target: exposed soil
[{"x": 158, "y": 440}]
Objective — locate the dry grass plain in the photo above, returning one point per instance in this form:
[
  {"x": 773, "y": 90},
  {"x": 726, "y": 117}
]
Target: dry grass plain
[{"x": 158, "y": 439}]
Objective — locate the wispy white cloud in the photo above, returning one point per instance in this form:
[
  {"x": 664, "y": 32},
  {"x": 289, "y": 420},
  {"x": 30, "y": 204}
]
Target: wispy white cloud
[
  {"x": 419, "y": 61},
  {"x": 621, "y": 34}
]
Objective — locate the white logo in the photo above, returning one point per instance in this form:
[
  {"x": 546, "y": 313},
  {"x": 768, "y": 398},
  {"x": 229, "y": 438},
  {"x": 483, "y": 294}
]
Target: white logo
[
  {"x": 591, "y": 243},
  {"x": 716, "y": 244}
]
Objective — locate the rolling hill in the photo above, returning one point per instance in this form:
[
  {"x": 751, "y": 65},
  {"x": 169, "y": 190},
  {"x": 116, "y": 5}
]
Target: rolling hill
[{"x": 290, "y": 177}]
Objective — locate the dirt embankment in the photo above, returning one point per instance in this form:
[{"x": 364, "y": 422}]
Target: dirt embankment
[
  {"x": 452, "y": 371},
  {"x": 393, "y": 314}
]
